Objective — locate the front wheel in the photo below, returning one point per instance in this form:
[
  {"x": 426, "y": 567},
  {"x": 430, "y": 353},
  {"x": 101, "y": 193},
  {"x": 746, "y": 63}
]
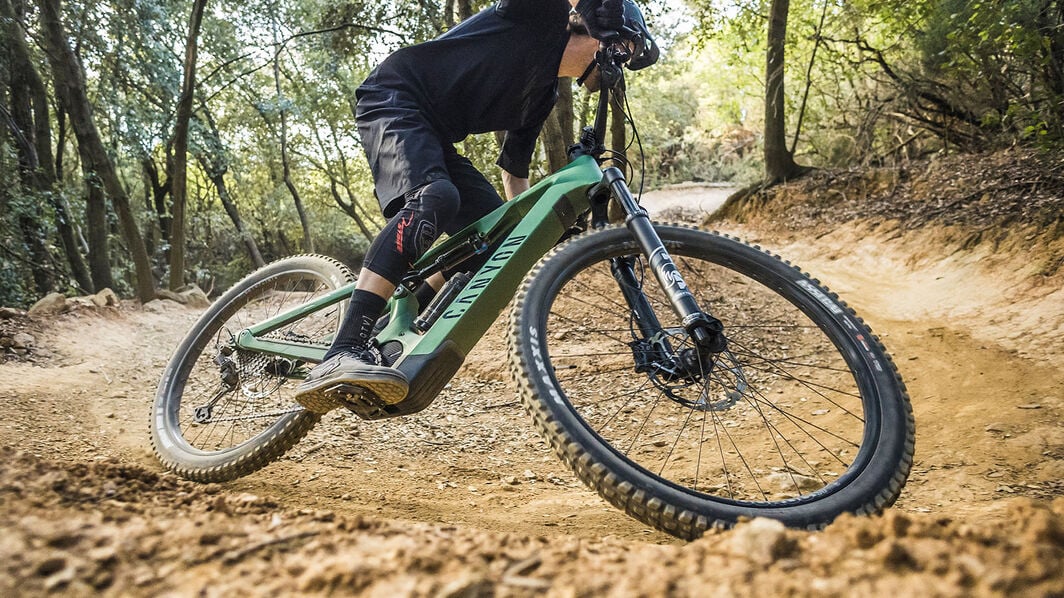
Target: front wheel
[
  {"x": 803, "y": 417},
  {"x": 222, "y": 412}
]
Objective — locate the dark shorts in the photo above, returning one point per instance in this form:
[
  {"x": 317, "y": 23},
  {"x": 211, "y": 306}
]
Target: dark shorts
[{"x": 405, "y": 152}]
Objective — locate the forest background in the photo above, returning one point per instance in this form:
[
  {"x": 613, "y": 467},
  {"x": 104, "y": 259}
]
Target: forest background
[{"x": 149, "y": 144}]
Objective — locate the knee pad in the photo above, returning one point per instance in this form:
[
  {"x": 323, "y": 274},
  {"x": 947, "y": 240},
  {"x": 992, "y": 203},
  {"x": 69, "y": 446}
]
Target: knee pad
[
  {"x": 420, "y": 222},
  {"x": 410, "y": 233}
]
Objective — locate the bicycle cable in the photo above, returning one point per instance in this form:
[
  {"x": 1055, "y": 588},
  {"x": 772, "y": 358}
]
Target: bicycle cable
[{"x": 639, "y": 143}]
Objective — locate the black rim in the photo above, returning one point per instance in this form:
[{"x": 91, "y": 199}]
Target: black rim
[
  {"x": 783, "y": 421},
  {"x": 260, "y": 400}
]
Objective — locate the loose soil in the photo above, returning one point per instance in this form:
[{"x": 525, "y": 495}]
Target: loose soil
[{"x": 464, "y": 499}]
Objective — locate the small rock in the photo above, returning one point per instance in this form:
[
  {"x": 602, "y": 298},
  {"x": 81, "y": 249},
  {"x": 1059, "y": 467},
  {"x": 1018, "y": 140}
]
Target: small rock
[
  {"x": 789, "y": 482},
  {"x": 79, "y": 302},
  {"x": 995, "y": 427},
  {"x": 105, "y": 298},
  {"x": 1029, "y": 406},
  {"x": 761, "y": 540},
  {"x": 195, "y": 297},
  {"x": 22, "y": 340},
  {"x": 170, "y": 295},
  {"x": 154, "y": 307},
  {"x": 467, "y": 586},
  {"x": 52, "y": 303},
  {"x": 7, "y": 313},
  {"x": 511, "y": 480}
]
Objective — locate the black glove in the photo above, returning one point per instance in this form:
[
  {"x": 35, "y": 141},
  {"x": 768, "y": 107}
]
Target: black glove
[{"x": 603, "y": 18}]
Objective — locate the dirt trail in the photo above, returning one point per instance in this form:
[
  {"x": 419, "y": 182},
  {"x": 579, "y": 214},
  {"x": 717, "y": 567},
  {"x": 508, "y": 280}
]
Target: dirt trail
[{"x": 464, "y": 499}]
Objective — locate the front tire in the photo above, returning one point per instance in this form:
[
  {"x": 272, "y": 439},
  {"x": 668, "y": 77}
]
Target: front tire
[
  {"x": 801, "y": 419},
  {"x": 220, "y": 412}
]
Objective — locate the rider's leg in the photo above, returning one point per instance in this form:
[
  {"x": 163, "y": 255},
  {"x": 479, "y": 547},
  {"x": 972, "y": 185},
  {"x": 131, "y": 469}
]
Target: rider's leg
[
  {"x": 404, "y": 239},
  {"x": 479, "y": 198}
]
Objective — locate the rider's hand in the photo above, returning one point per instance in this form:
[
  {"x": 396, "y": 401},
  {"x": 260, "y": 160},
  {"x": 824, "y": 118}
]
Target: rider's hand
[{"x": 603, "y": 18}]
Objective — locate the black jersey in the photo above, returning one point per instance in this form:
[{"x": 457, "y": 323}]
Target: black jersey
[{"x": 496, "y": 71}]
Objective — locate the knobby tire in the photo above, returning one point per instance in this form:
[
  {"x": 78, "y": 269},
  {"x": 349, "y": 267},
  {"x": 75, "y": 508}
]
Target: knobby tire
[
  {"x": 804, "y": 418},
  {"x": 256, "y": 421}
]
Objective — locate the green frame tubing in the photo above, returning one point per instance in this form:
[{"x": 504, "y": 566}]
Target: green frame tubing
[{"x": 532, "y": 224}]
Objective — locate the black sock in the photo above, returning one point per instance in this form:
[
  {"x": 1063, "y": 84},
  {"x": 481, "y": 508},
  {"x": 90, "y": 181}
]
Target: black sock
[{"x": 357, "y": 327}]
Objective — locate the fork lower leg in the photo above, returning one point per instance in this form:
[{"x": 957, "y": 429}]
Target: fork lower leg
[{"x": 707, "y": 331}]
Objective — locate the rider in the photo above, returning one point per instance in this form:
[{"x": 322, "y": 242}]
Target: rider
[{"x": 496, "y": 71}]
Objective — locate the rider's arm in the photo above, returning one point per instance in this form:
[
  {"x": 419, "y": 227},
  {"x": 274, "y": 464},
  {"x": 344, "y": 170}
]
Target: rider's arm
[
  {"x": 517, "y": 150},
  {"x": 513, "y": 185}
]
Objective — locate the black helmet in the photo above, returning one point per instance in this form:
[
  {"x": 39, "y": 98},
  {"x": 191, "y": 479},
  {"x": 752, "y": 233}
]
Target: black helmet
[
  {"x": 634, "y": 30},
  {"x": 644, "y": 49}
]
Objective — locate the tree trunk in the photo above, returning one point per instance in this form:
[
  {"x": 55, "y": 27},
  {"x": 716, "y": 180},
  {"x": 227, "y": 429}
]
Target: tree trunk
[
  {"x": 96, "y": 222},
  {"x": 179, "y": 179},
  {"x": 67, "y": 235},
  {"x": 448, "y": 13},
  {"x": 286, "y": 171},
  {"x": 779, "y": 161},
  {"x": 216, "y": 165},
  {"x": 465, "y": 9},
  {"x": 558, "y": 129},
  {"x": 70, "y": 89},
  {"x": 28, "y": 213},
  {"x": 42, "y": 165},
  {"x": 363, "y": 220},
  {"x": 156, "y": 190},
  {"x": 218, "y": 178},
  {"x": 23, "y": 122}
]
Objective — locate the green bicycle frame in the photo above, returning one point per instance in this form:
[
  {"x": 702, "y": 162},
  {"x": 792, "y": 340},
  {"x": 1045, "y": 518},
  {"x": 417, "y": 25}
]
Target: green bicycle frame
[{"x": 529, "y": 225}]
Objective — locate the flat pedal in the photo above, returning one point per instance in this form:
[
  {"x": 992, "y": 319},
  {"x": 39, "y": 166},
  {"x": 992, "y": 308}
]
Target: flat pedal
[{"x": 357, "y": 399}]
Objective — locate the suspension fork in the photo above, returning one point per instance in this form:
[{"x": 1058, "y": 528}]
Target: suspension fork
[{"x": 707, "y": 331}]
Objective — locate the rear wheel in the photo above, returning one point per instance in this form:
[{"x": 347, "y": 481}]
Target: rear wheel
[
  {"x": 802, "y": 418},
  {"x": 222, "y": 412}
]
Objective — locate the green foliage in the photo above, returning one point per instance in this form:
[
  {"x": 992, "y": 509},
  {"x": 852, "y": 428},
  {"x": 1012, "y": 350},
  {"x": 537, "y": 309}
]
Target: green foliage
[
  {"x": 892, "y": 79},
  {"x": 16, "y": 280},
  {"x": 871, "y": 80},
  {"x": 1005, "y": 56}
]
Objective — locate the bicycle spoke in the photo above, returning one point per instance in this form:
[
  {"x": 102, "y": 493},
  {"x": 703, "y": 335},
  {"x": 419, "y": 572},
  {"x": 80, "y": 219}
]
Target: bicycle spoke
[
  {"x": 260, "y": 394},
  {"x": 775, "y": 350}
]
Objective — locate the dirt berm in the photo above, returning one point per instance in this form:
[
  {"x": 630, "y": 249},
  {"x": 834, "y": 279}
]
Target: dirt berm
[{"x": 961, "y": 274}]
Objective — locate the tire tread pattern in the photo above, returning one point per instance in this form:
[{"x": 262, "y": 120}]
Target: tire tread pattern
[
  {"x": 269, "y": 446},
  {"x": 622, "y": 494}
]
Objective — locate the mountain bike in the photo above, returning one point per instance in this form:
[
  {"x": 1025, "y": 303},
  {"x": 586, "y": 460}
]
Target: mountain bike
[{"x": 689, "y": 378}]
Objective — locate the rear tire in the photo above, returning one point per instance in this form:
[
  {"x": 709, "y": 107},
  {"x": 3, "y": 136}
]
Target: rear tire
[
  {"x": 253, "y": 419},
  {"x": 803, "y": 418}
]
